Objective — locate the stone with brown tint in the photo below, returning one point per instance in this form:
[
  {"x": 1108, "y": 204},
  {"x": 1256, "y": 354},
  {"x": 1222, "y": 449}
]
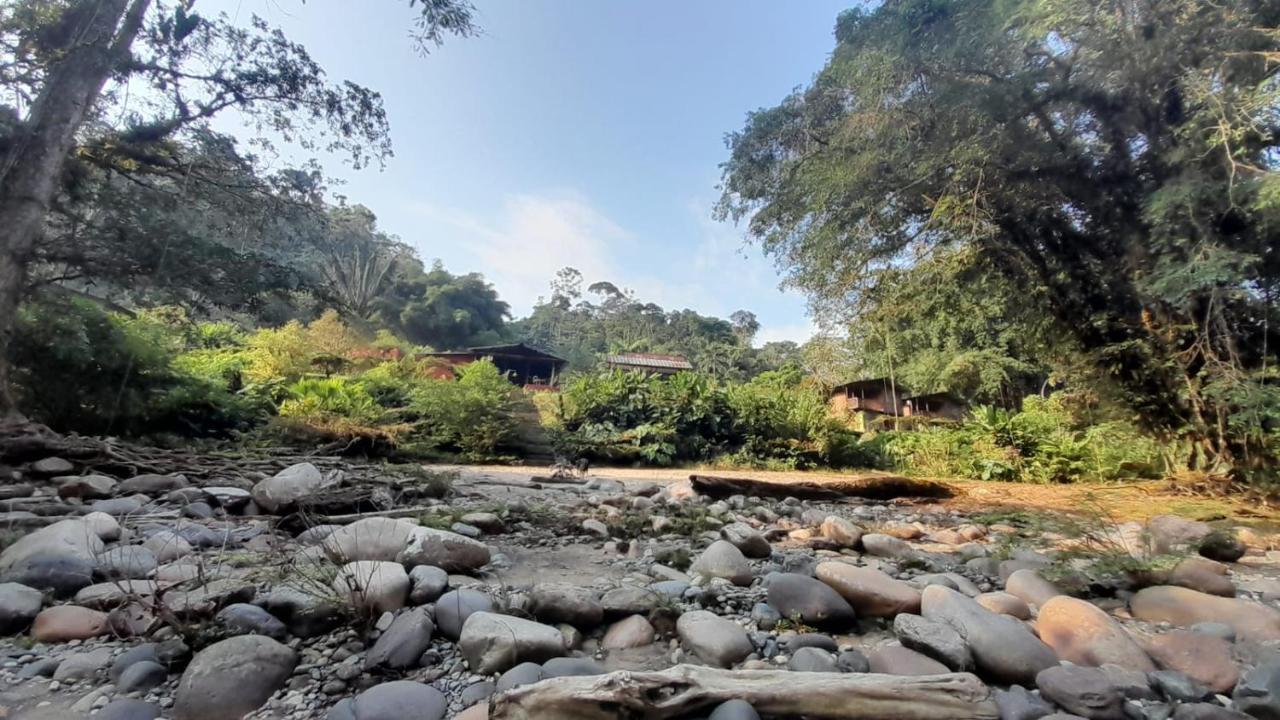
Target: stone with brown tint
[
  {"x": 68, "y": 622},
  {"x": 871, "y": 592},
  {"x": 1203, "y": 575},
  {"x": 1031, "y": 587},
  {"x": 1203, "y": 658},
  {"x": 1081, "y": 633},
  {"x": 1005, "y": 604},
  {"x": 1183, "y": 607}
]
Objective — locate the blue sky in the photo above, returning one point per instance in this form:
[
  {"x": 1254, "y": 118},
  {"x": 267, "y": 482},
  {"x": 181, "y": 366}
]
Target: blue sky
[{"x": 572, "y": 132}]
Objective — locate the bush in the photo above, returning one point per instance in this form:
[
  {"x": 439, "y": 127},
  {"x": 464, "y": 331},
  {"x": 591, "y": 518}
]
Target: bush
[
  {"x": 473, "y": 415},
  {"x": 80, "y": 368}
]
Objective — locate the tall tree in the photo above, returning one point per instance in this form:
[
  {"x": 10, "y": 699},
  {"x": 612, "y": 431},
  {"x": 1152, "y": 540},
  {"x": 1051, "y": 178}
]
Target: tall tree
[
  {"x": 1121, "y": 155},
  {"x": 58, "y": 56}
]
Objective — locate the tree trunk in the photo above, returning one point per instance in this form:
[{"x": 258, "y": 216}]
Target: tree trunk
[
  {"x": 686, "y": 689},
  {"x": 33, "y": 167}
]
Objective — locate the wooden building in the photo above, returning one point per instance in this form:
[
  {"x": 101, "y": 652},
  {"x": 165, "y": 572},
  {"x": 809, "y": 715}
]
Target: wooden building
[
  {"x": 523, "y": 365},
  {"x": 935, "y": 405},
  {"x": 862, "y": 402},
  {"x": 648, "y": 363}
]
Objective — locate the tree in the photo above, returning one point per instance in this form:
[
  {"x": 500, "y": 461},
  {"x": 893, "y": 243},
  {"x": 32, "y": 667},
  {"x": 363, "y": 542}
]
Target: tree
[
  {"x": 58, "y": 56},
  {"x": 1117, "y": 155},
  {"x": 357, "y": 261},
  {"x": 443, "y": 310},
  {"x": 745, "y": 325}
]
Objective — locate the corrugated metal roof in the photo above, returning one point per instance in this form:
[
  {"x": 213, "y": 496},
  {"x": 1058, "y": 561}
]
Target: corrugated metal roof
[{"x": 653, "y": 360}]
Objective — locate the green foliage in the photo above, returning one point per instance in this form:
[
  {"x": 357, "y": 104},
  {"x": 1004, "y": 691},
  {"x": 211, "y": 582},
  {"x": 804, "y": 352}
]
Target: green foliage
[
  {"x": 1107, "y": 169},
  {"x": 776, "y": 420},
  {"x": 127, "y": 380},
  {"x": 473, "y": 415},
  {"x": 1044, "y": 442}
]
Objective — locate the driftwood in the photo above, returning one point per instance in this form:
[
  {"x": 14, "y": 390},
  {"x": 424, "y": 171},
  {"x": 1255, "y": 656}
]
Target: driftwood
[
  {"x": 686, "y": 689},
  {"x": 872, "y": 487}
]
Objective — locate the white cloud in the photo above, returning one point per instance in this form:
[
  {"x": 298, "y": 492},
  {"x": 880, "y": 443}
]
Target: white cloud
[
  {"x": 520, "y": 248},
  {"x": 534, "y": 236}
]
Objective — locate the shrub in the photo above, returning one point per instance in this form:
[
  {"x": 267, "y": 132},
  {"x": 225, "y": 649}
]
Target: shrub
[{"x": 473, "y": 415}]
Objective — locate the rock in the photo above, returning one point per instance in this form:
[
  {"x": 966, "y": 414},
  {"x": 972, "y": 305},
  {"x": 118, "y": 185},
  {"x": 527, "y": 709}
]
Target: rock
[
  {"x": 840, "y": 532},
  {"x": 595, "y": 527},
  {"x": 52, "y": 466},
  {"x": 562, "y": 603},
  {"x": 790, "y": 643},
  {"x": 1170, "y": 533},
  {"x": 1206, "y": 711},
  {"x": 477, "y": 692},
  {"x": 1204, "y": 658},
  {"x": 723, "y": 560},
  {"x": 765, "y": 616},
  {"x": 85, "y": 487},
  {"x": 232, "y": 678},
  {"x": 427, "y": 584},
  {"x": 1178, "y": 687},
  {"x": 373, "y": 538},
  {"x": 871, "y": 592},
  {"x": 631, "y": 632},
  {"x": 1184, "y": 607},
  {"x": 142, "y": 676},
  {"x": 397, "y": 700},
  {"x": 288, "y": 487},
  {"x": 128, "y": 709},
  {"x": 881, "y": 545},
  {"x": 810, "y": 600},
  {"x": 479, "y": 711},
  {"x": 305, "y": 614},
  {"x": 1222, "y": 546},
  {"x": 246, "y": 619},
  {"x": 934, "y": 639},
  {"x": 1030, "y": 587},
  {"x": 126, "y": 562},
  {"x": 1258, "y": 693},
  {"x": 894, "y": 659},
  {"x": 715, "y": 640},
  {"x": 1003, "y": 649},
  {"x": 119, "y": 507},
  {"x": 83, "y": 665},
  {"x": 167, "y": 546},
  {"x": 145, "y": 652},
  {"x": 454, "y": 607},
  {"x": 571, "y": 667},
  {"x": 104, "y": 596},
  {"x": 853, "y": 661},
  {"x": 492, "y": 643},
  {"x": 1203, "y": 575},
  {"x": 446, "y": 550},
  {"x": 206, "y": 599},
  {"x": 104, "y": 526},
  {"x": 61, "y": 623},
  {"x": 57, "y": 557},
  {"x": 526, "y": 673},
  {"x": 627, "y": 600},
  {"x": 734, "y": 710},
  {"x": 1002, "y": 603},
  {"x": 151, "y": 484},
  {"x": 19, "y": 606},
  {"x": 400, "y": 645},
  {"x": 1215, "y": 629},
  {"x": 372, "y": 586},
  {"x": 1081, "y": 633},
  {"x": 812, "y": 659},
  {"x": 747, "y": 539},
  {"x": 1017, "y": 703},
  {"x": 1081, "y": 690}
]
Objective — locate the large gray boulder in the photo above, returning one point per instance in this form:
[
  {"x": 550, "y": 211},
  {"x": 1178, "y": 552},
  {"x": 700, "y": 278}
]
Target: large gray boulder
[
  {"x": 372, "y": 586},
  {"x": 427, "y": 584},
  {"x": 812, "y": 601},
  {"x": 288, "y": 486},
  {"x": 723, "y": 560},
  {"x": 19, "y": 605},
  {"x": 564, "y": 603},
  {"x": 493, "y": 643},
  {"x": 454, "y": 607},
  {"x": 446, "y": 550},
  {"x": 871, "y": 592},
  {"x": 713, "y": 639},
  {"x": 395, "y": 700},
  {"x": 246, "y": 619},
  {"x": 232, "y": 678},
  {"x": 401, "y": 645},
  {"x": 1258, "y": 693},
  {"x": 747, "y": 539},
  {"x": 369, "y": 539},
  {"x": 126, "y": 562},
  {"x": 938, "y": 641},
  {"x": 1004, "y": 650},
  {"x": 58, "y": 557},
  {"x": 1085, "y": 691}
]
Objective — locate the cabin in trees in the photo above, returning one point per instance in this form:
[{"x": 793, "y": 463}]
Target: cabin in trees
[
  {"x": 648, "y": 363},
  {"x": 940, "y": 406},
  {"x": 861, "y": 402},
  {"x": 523, "y": 365}
]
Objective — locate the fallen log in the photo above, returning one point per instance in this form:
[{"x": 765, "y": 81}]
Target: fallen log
[
  {"x": 686, "y": 689},
  {"x": 871, "y": 487}
]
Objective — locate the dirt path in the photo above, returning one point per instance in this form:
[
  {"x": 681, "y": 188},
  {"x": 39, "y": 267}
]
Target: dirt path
[{"x": 1128, "y": 501}]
